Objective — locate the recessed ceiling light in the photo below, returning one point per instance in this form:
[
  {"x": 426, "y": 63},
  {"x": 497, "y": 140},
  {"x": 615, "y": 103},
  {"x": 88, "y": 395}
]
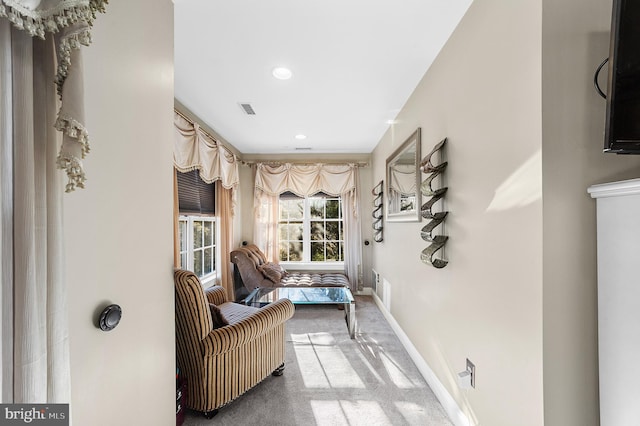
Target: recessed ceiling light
[
  {"x": 391, "y": 121},
  {"x": 301, "y": 137},
  {"x": 282, "y": 73}
]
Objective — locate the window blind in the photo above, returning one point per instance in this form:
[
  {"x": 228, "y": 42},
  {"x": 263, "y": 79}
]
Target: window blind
[{"x": 195, "y": 196}]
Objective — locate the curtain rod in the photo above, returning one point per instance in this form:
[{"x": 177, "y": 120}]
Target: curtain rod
[{"x": 304, "y": 163}]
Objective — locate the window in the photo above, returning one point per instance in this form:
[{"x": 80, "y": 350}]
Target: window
[
  {"x": 311, "y": 229},
  {"x": 197, "y": 225},
  {"x": 198, "y": 244}
]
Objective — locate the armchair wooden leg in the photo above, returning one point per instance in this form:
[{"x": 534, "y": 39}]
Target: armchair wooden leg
[
  {"x": 279, "y": 371},
  {"x": 210, "y": 414}
]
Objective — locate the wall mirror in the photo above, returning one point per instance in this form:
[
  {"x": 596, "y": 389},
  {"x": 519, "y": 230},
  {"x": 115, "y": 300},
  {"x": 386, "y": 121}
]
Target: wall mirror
[{"x": 403, "y": 181}]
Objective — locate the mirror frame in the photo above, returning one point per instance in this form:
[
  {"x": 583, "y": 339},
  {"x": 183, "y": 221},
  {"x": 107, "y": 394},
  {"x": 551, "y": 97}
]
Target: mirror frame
[{"x": 413, "y": 215}]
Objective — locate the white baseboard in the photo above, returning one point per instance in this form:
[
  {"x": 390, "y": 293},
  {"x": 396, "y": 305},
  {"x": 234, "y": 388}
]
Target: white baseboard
[
  {"x": 448, "y": 403},
  {"x": 366, "y": 291}
]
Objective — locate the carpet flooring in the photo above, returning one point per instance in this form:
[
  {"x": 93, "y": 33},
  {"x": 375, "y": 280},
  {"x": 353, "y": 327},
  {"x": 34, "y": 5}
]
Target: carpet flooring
[{"x": 330, "y": 379}]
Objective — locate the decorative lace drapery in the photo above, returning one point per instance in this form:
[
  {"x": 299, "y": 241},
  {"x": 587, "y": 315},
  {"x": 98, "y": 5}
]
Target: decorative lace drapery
[
  {"x": 69, "y": 22},
  {"x": 196, "y": 149}
]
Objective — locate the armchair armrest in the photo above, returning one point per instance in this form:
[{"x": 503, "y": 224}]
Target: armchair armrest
[
  {"x": 216, "y": 295},
  {"x": 232, "y": 336}
]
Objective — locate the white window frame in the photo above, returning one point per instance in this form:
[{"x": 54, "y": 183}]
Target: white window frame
[
  {"x": 211, "y": 277},
  {"x": 306, "y": 262}
]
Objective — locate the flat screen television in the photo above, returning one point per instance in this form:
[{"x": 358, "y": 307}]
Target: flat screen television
[{"x": 622, "y": 129}]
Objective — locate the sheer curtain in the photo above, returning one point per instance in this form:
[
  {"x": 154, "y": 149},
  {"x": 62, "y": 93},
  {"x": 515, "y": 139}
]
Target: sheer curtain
[
  {"x": 305, "y": 180},
  {"x": 40, "y": 91},
  {"x": 352, "y": 239},
  {"x": 265, "y": 229},
  {"x": 35, "y": 358}
]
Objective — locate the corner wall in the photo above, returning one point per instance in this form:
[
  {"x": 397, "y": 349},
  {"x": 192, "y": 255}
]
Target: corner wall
[
  {"x": 119, "y": 229},
  {"x": 484, "y": 93}
]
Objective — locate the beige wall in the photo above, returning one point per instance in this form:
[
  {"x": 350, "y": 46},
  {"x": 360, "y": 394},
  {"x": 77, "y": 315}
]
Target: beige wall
[
  {"x": 484, "y": 94},
  {"x": 118, "y": 229},
  {"x": 513, "y": 92},
  {"x": 575, "y": 40}
]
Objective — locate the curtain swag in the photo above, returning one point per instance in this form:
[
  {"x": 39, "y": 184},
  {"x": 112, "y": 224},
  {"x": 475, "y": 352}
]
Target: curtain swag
[
  {"x": 402, "y": 179},
  {"x": 305, "y": 179},
  {"x": 195, "y": 149},
  {"x": 69, "y": 22}
]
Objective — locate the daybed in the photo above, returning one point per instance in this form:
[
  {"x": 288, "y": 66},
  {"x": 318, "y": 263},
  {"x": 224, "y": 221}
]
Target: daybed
[
  {"x": 251, "y": 270},
  {"x": 220, "y": 362}
]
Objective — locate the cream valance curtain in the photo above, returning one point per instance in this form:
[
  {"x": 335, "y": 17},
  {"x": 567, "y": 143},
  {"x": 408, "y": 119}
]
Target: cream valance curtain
[
  {"x": 305, "y": 179},
  {"x": 68, "y": 21},
  {"x": 196, "y": 149},
  {"x": 403, "y": 179}
]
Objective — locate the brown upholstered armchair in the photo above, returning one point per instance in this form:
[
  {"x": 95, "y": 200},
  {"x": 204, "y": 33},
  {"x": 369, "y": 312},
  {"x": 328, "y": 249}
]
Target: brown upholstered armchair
[{"x": 222, "y": 363}]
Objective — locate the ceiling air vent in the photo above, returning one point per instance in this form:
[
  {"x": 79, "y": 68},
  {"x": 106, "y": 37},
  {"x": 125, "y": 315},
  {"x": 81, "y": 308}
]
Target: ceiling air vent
[
  {"x": 247, "y": 108},
  {"x": 303, "y": 148}
]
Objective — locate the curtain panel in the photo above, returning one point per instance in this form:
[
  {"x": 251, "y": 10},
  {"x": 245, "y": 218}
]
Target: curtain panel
[
  {"x": 35, "y": 346},
  {"x": 41, "y": 128},
  {"x": 68, "y": 22},
  {"x": 304, "y": 180},
  {"x": 224, "y": 209},
  {"x": 265, "y": 228},
  {"x": 195, "y": 149}
]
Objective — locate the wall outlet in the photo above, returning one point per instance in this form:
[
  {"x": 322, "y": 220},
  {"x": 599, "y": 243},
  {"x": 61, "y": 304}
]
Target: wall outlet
[
  {"x": 464, "y": 380},
  {"x": 471, "y": 368}
]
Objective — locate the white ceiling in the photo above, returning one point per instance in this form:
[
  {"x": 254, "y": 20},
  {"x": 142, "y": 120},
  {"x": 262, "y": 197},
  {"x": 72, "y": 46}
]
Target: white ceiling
[{"x": 354, "y": 64}]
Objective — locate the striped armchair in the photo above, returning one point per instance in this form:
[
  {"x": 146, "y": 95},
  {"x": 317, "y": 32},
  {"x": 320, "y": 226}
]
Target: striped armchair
[{"x": 222, "y": 363}]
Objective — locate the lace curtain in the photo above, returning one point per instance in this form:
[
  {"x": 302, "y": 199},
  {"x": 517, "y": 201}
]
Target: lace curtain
[{"x": 305, "y": 180}]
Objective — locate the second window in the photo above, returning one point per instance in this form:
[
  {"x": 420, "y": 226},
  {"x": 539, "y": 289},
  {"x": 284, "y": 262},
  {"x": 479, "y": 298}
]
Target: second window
[{"x": 311, "y": 229}]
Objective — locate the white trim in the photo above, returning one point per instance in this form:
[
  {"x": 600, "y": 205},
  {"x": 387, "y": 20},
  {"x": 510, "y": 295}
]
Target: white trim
[
  {"x": 367, "y": 291},
  {"x": 614, "y": 189},
  {"x": 449, "y": 404},
  {"x": 306, "y": 220},
  {"x": 212, "y": 276},
  {"x": 209, "y": 280}
]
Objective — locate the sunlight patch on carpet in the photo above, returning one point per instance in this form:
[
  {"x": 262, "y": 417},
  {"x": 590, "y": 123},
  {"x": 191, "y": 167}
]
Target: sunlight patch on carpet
[
  {"x": 414, "y": 414},
  {"x": 349, "y": 413},
  {"x": 322, "y": 364},
  {"x": 396, "y": 374},
  {"x": 372, "y": 370}
]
